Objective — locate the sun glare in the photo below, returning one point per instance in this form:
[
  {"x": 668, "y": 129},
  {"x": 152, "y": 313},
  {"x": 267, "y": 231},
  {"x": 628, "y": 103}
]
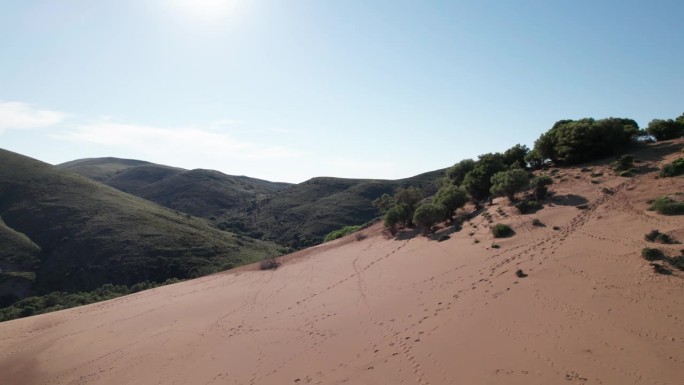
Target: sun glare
[{"x": 205, "y": 10}]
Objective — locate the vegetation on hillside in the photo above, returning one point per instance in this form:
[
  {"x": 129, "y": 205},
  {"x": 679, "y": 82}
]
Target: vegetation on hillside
[
  {"x": 667, "y": 206},
  {"x": 61, "y": 232},
  {"x": 346, "y": 230},
  {"x": 577, "y": 141},
  {"x": 675, "y": 168},
  {"x": 666, "y": 129}
]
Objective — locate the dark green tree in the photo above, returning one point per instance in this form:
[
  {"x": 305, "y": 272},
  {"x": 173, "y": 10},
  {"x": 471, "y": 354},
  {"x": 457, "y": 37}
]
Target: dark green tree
[
  {"x": 408, "y": 198},
  {"x": 393, "y": 217},
  {"x": 516, "y": 154},
  {"x": 666, "y": 129},
  {"x": 456, "y": 173},
  {"x": 427, "y": 215},
  {"x": 534, "y": 159},
  {"x": 384, "y": 203},
  {"x": 477, "y": 182},
  {"x": 576, "y": 141},
  {"x": 452, "y": 198},
  {"x": 508, "y": 183},
  {"x": 540, "y": 186}
]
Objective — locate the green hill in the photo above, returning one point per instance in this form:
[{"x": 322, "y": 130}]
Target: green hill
[
  {"x": 68, "y": 233},
  {"x": 296, "y": 215}
]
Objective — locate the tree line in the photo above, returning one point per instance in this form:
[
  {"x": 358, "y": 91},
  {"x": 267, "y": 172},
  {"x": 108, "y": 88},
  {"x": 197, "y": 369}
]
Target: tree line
[{"x": 505, "y": 174}]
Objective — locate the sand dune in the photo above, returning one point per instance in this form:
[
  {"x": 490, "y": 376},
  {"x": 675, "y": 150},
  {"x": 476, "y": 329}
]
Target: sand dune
[{"x": 407, "y": 311}]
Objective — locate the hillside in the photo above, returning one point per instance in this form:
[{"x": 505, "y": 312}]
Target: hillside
[
  {"x": 297, "y": 215},
  {"x": 64, "y": 232},
  {"x": 588, "y": 309}
]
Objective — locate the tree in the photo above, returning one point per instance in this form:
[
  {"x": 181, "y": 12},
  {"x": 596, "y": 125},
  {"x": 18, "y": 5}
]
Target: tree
[
  {"x": 457, "y": 172},
  {"x": 395, "y": 215},
  {"x": 666, "y": 129},
  {"x": 384, "y": 203},
  {"x": 452, "y": 198},
  {"x": 576, "y": 141},
  {"x": 508, "y": 183},
  {"x": 515, "y": 154},
  {"x": 539, "y": 185},
  {"x": 534, "y": 159},
  {"x": 428, "y": 214},
  {"x": 477, "y": 182},
  {"x": 408, "y": 198}
]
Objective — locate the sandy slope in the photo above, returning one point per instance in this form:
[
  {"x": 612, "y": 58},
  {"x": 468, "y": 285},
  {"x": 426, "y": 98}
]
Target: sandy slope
[{"x": 409, "y": 311}]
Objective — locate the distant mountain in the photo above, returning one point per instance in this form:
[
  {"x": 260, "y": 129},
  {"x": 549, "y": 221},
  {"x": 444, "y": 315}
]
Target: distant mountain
[
  {"x": 296, "y": 215},
  {"x": 303, "y": 214},
  {"x": 62, "y": 232}
]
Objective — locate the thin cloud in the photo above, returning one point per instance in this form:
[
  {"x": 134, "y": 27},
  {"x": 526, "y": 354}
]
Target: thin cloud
[
  {"x": 21, "y": 116},
  {"x": 179, "y": 141}
]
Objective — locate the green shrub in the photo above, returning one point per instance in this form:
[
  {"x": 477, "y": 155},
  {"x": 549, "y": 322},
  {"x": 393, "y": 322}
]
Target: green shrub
[
  {"x": 677, "y": 262},
  {"x": 623, "y": 163},
  {"x": 495, "y": 246},
  {"x": 667, "y": 206},
  {"x": 673, "y": 169},
  {"x": 536, "y": 222},
  {"x": 664, "y": 238},
  {"x": 346, "y": 230},
  {"x": 651, "y": 254},
  {"x": 651, "y": 237},
  {"x": 626, "y": 174},
  {"x": 502, "y": 231},
  {"x": 527, "y": 207}
]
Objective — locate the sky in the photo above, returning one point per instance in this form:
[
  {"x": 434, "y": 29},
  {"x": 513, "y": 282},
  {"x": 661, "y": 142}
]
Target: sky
[{"x": 287, "y": 90}]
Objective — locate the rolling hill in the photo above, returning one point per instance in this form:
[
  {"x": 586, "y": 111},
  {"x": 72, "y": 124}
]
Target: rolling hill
[
  {"x": 567, "y": 299},
  {"x": 63, "y": 232},
  {"x": 297, "y": 215}
]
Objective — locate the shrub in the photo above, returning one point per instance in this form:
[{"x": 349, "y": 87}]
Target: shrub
[
  {"x": 508, "y": 183},
  {"x": 540, "y": 185},
  {"x": 269, "y": 264},
  {"x": 495, "y": 246},
  {"x": 658, "y": 237},
  {"x": 428, "y": 214},
  {"x": 651, "y": 254},
  {"x": 665, "y": 239},
  {"x": 677, "y": 262},
  {"x": 502, "y": 231},
  {"x": 660, "y": 269},
  {"x": 652, "y": 235},
  {"x": 623, "y": 163},
  {"x": 536, "y": 222},
  {"x": 452, "y": 198},
  {"x": 527, "y": 207},
  {"x": 626, "y": 174},
  {"x": 673, "y": 169},
  {"x": 346, "y": 230},
  {"x": 667, "y": 206},
  {"x": 556, "y": 228},
  {"x": 665, "y": 129}
]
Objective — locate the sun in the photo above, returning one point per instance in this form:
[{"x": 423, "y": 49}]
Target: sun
[{"x": 205, "y": 10}]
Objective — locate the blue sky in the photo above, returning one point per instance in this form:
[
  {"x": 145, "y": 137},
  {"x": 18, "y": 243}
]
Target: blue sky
[{"x": 291, "y": 89}]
